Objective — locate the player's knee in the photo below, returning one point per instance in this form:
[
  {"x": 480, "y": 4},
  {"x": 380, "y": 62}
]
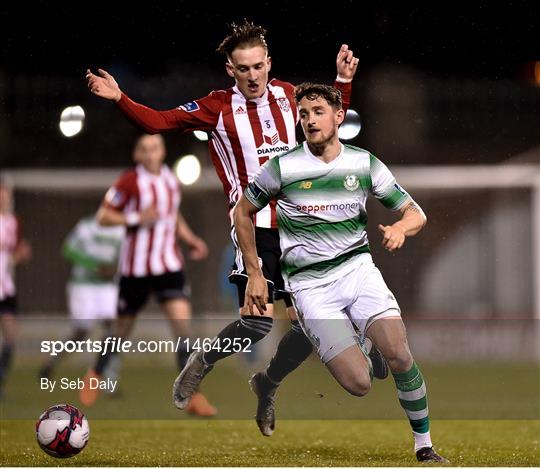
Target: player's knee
[
  {"x": 399, "y": 358},
  {"x": 359, "y": 388},
  {"x": 358, "y": 385}
]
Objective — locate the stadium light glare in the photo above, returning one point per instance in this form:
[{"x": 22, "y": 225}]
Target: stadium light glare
[
  {"x": 200, "y": 135},
  {"x": 351, "y": 126},
  {"x": 187, "y": 169},
  {"x": 71, "y": 121}
]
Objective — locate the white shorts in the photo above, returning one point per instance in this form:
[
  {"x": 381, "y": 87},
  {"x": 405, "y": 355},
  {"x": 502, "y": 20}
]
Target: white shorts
[
  {"x": 88, "y": 303},
  {"x": 336, "y": 315}
]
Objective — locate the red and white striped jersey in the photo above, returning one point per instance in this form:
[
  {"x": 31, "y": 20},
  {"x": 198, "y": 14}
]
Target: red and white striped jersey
[
  {"x": 148, "y": 249},
  {"x": 9, "y": 239},
  {"x": 244, "y": 133}
]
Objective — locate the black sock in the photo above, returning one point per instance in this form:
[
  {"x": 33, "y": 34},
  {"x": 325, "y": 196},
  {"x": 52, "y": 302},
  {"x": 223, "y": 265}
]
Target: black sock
[
  {"x": 5, "y": 360},
  {"x": 103, "y": 361},
  {"x": 293, "y": 349},
  {"x": 253, "y": 328},
  {"x": 78, "y": 335},
  {"x": 104, "y": 358},
  {"x": 182, "y": 355}
]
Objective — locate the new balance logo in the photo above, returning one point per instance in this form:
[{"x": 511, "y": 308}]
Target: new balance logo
[
  {"x": 240, "y": 110},
  {"x": 305, "y": 185},
  {"x": 271, "y": 140}
]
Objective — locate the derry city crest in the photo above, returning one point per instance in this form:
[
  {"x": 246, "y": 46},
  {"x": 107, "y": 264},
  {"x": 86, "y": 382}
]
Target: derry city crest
[{"x": 351, "y": 182}]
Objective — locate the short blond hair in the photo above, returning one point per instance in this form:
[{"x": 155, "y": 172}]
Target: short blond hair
[{"x": 246, "y": 34}]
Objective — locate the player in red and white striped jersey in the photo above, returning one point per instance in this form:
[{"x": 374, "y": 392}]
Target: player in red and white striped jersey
[
  {"x": 146, "y": 199},
  {"x": 149, "y": 249},
  {"x": 13, "y": 249},
  {"x": 248, "y": 123}
]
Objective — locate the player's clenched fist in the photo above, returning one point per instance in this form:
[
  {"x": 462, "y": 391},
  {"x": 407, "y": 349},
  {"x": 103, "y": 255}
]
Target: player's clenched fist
[
  {"x": 393, "y": 237},
  {"x": 346, "y": 63},
  {"x": 103, "y": 85}
]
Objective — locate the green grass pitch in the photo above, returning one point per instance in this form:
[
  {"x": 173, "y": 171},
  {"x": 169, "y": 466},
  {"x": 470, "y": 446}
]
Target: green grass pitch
[
  {"x": 483, "y": 415},
  {"x": 295, "y": 443}
]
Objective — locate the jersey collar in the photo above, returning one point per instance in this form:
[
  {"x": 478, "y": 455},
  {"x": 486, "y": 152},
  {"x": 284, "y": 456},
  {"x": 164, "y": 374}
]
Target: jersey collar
[
  {"x": 257, "y": 101},
  {"x": 142, "y": 170},
  {"x": 319, "y": 160}
]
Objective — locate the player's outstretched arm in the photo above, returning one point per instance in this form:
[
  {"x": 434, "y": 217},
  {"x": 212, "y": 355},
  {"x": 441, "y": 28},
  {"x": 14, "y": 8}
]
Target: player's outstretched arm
[
  {"x": 152, "y": 121},
  {"x": 256, "y": 289},
  {"x": 412, "y": 221}
]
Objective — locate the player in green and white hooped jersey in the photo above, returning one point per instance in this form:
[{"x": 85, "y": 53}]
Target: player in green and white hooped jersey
[
  {"x": 92, "y": 292},
  {"x": 321, "y": 189}
]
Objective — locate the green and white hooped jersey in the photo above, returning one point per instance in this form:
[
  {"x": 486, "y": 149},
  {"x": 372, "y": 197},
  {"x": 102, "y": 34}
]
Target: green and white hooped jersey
[
  {"x": 89, "y": 246},
  {"x": 321, "y": 209}
]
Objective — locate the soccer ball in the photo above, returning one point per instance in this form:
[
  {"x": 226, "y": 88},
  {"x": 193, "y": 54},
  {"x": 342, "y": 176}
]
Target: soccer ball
[{"x": 62, "y": 431}]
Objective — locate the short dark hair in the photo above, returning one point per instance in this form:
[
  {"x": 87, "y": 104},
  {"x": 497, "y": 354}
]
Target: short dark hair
[
  {"x": 244, "y": 34},
  {"x": 142, "y": 135},
  {"x": 313, "y": 91}
]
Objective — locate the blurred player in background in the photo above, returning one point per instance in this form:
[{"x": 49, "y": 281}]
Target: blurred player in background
[
  {"x": 146, "y": 200},
  {"x": 13, "y": 250},
  {"x": 322, "y": 187},
  {"x": 251, "y": 122},
  {"x": 92, "y": 291}
]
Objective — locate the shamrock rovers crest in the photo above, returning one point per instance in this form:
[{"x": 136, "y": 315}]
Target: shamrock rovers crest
[{"x": 351, "y": 182}]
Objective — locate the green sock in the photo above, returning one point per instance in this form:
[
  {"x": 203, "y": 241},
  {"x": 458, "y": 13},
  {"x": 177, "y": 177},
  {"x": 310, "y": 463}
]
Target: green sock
[{"x": 413, "y": 398}]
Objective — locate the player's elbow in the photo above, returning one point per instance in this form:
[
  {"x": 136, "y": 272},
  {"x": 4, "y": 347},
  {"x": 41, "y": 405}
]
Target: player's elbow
[
  {"x": 241, "y": 212},
  {"x": 238, "y": 219},
  {"x": 151, "y": 130},
  {"x": 147, "y": 128},
  {"x": 101, "y": 217},
  {"x": 420, "y": 214},
  {"x": 145, "y": 125}
]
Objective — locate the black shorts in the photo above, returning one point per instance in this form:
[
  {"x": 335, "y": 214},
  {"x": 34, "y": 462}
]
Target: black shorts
[
  {"x": 134, "y": 291},
  {"x": 8, "y": 305},
  {"x": 269, "y": 252}
]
